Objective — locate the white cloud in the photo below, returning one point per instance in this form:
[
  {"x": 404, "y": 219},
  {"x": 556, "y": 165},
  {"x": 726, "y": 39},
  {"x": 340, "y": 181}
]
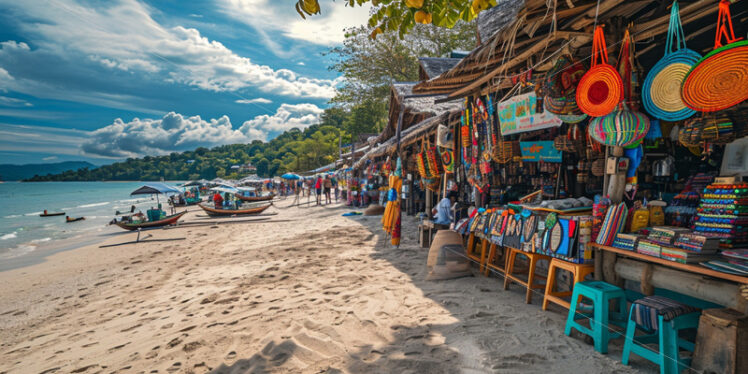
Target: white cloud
[
  {"x": 13, "y": 102},
  {"x": 286, "y": 117},
  {"x": 259, "y": 100},
  {"x": 50, "y": 158},
  {"x": 301, "y": 63},
  {"x": 326, "y": 28},
  {"x": 124, "y": 36},
  {"x": 41, "y": 139},
  {"x": 175, "y": 132}
]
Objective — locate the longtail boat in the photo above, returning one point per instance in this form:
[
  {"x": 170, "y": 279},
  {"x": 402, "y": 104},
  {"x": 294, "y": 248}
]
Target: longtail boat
[
  {"x": 168, "y": 220},
  {"x": 212, "y": 211},
  {"x": 45, "y": 214},
  {"x": 255, "y": 198}
]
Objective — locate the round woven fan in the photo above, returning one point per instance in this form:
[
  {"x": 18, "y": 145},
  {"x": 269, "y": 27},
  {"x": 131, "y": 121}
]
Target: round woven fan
[
  {"x": 601, "y": 88},
  {"x": 719, "y": 80},
  {"x": 530, "y": 225},
  {"x": 661, "y": 92}
]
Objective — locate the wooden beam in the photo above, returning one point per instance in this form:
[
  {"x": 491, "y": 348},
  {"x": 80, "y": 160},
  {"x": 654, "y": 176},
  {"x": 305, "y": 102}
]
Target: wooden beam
[
  {"x": 588, "y": 17},
  {"x": 716, "y": 291}
]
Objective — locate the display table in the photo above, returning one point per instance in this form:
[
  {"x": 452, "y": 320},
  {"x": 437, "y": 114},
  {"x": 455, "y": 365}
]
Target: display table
[{"x": 614, "y": 265}]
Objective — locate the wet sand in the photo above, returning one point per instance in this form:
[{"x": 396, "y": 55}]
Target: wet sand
[{"x": 303, "y": 291}]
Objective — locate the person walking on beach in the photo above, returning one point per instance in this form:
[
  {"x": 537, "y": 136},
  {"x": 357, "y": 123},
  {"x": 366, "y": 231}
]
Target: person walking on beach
[
  {"x": 318, "y": 189},
  {"x": 328, "y": 188},
  {"x": 335, "y": 187}
]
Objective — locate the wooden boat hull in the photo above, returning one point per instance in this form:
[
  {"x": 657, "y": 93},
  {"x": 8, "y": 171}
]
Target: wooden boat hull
[
  {"x": 255, "y": 198},
  {"x": 52, "y": 214},
  {"x": 233, "y": 212},
  {"x": 169, "y": 220}
]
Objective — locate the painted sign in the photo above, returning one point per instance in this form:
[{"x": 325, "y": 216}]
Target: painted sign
[
  {"x": 539, "y": 151},
  {"x": 518, "y": 114}
]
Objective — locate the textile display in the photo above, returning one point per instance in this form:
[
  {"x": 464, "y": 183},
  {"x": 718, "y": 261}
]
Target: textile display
[
  {"x": 615, "y": 220},
  {"x": 647, "y": 310}
]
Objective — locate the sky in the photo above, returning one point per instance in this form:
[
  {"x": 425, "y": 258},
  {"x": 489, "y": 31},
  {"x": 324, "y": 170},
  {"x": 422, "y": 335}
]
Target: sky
[{"x": 101, "y": 81}]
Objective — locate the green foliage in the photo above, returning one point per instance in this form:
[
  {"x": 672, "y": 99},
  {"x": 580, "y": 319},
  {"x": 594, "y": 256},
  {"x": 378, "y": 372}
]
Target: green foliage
[
  {"x": 293, "y": 150},
  {"x": 400, "y": 17}
]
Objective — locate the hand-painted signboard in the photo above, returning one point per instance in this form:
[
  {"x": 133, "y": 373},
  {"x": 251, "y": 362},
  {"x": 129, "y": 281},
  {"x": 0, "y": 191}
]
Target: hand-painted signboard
[
  {"x": 539, "y": 151},
  {"x": 518, "y": 114}
]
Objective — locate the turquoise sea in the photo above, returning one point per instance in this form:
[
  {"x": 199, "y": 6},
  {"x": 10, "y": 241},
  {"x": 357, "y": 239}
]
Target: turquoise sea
[{"x": 22, "y": 231}]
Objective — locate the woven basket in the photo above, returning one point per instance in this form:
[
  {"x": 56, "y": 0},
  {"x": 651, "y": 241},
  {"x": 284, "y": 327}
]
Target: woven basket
[
  {"x": 601, "y": 89},
  {"x": 719, "y": 80},
  {"x": 713, "y": 130},
  {"x": 623, "y": 128},
  {"x": 661, "y": 92},
  {"x": 506, "y": 151}
]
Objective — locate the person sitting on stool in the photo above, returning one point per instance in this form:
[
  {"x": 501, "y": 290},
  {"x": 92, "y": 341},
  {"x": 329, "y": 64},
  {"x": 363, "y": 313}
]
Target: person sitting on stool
[{"x": 443, "y": 211}]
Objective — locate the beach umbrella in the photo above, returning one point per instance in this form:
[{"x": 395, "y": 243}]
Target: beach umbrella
[
  {"x": 155, "y": 189},
  {"x": 291, "y": 176}
]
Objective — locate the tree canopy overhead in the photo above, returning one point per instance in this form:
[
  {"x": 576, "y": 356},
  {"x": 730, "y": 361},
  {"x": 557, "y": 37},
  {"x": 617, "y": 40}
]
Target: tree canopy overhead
[{"x": 400, "y": 16}]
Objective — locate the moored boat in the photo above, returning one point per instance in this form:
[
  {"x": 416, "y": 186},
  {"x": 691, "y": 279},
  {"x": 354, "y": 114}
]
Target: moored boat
[
  {"x": 212, "y": 211},
  {"x": 46, "y": 214},
  {"x": 168, "y": 220},
  {"x": 255, "y": 198}
]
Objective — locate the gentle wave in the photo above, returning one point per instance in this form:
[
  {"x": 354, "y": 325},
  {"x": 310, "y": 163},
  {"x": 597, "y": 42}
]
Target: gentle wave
[
  {"x": 9, "y": 236},
  {"x": 33, "y": 214},
  {"x": 13, "y": 216},
  {"x": 92, "y": 205},
  {"x": 42, "y": 240}
]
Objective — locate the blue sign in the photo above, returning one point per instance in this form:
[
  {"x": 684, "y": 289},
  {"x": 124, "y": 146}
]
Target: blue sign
[{"x": 539, "y": 151}]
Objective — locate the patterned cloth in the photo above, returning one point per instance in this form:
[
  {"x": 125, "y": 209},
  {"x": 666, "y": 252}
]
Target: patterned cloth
[{"x": 647, "y": 310}]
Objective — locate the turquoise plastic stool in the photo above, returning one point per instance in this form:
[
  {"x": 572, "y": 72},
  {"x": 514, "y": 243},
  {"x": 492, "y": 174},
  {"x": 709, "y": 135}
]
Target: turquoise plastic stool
[
  {"x": 601, "y": 294},
  {"x": 662, "y": 318}
]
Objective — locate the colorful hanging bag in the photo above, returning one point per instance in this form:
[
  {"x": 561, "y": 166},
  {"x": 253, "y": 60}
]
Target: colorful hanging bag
[
  {"x": 719, "y": 80},
  {"x": 601, "y": 89},
  {"x": 661, "y": 90}
]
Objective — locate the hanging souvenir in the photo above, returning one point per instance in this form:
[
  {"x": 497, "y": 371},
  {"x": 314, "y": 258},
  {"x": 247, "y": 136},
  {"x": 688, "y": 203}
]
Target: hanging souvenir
[
  {"x": 448, "y": 161},
  {"x": 434, "y": 161},
  {"x": 662, "y": 87},
  {"x": 623, "y": 127},
  {"x": 601, "y": 89},
  {"x": 719, "y": 80},
  {"x": 560, "y": 87}
]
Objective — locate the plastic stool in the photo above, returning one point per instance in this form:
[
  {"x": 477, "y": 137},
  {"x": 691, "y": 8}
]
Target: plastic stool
[
  {"x": 663, "y": 318},
  {"x": 578, "y": 271},
  {"x": 601, "y": 294}
]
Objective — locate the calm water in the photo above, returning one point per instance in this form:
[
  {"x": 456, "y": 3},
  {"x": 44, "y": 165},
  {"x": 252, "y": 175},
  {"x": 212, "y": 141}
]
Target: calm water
[{"x": 22, "y": 230}]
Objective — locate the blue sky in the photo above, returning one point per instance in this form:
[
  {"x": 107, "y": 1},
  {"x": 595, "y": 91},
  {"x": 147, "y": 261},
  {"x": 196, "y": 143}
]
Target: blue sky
[{"x": 105, "y": 80}]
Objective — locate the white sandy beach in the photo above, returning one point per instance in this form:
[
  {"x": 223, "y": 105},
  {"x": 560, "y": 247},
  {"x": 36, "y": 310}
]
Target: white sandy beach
[{"x": 305, "y": 291}]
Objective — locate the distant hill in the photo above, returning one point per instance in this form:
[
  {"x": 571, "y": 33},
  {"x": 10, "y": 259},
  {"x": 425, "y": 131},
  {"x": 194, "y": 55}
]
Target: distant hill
[{"x": 9, "y": 172}]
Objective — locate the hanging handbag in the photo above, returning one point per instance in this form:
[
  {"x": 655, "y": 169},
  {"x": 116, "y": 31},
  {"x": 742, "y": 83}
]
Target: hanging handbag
[{"x": 601, "y": 89}]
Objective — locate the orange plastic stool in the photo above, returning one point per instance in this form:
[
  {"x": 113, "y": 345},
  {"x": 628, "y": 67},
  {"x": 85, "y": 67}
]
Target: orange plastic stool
[
  {"x": 473, "y": 252},
  {"x": 578, "y": 271},
  {"x": 530, "y": 284}
]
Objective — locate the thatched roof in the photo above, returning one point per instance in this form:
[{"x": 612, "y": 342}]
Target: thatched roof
[
  {"x": 407, "y": 137},
  {"x": 497, "y": 18},
  {"x": 432, "y": 67},
  {"x": 539, "y": 34}
]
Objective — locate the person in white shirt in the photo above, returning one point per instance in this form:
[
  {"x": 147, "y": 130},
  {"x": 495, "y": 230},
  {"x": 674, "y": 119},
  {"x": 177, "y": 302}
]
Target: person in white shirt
[{"x": 443, "y": 211}]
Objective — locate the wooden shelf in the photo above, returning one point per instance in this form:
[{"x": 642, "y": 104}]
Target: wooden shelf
[{"x": 698, "y": 269}]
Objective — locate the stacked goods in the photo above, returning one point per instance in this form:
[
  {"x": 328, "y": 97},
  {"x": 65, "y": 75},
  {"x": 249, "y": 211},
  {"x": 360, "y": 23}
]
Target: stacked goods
[
  {"x": 723, "y": 214},
  {"x": 731, "y": 262},
  {"x": 697, "y": 243},
  {"x": 684, "y": 256},
  {"x": 665, "y": 235},
  {"x": 626, "y": 241},
  {"x": 648, "y": 247},
  {"x": 615, "y": 220},
  {"x": 682, "y": 209}
]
